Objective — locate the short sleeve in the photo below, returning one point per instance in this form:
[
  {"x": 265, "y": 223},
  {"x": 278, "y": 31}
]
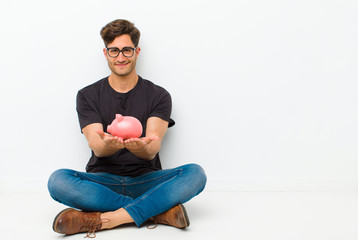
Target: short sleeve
[
  {"x": 86, "y": 110},
  {"x": 163, "y": 108}
]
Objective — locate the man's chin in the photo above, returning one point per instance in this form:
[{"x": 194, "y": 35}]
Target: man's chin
[{"x": 122, "y": 73}]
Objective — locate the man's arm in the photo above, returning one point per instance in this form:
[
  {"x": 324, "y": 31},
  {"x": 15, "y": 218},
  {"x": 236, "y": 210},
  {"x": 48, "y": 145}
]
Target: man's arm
[
  {"x": 101, "y": 143},
  {"x": 104, "y": 144},
  {"x": 148, "y": 146}
]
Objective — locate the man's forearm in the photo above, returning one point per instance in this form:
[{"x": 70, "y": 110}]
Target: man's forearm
[
  {"x": 145, "y": 154},
  {"x": 102, "y": 150}
]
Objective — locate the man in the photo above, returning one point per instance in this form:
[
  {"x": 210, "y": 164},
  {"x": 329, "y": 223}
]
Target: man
[{"x": 124, "y": 181}]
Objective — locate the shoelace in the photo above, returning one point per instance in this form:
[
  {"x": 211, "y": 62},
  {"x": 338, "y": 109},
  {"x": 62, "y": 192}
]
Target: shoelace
[
  {"x": 155, "y": 221},
  {"x": 91, "y": 224},
  {"x": 152, "y": 225}
]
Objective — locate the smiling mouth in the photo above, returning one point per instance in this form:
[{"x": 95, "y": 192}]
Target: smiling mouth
[{"x": 121, "y": 64}]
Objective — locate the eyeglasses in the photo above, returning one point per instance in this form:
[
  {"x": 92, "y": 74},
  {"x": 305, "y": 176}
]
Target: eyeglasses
[{"x": 126, "y": 51}]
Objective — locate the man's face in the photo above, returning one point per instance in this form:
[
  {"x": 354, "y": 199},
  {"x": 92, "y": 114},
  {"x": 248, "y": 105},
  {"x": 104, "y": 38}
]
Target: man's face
[{"x": 121, "y": 65}]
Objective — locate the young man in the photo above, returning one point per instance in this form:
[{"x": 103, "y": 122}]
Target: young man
[{"x": 124, "y": 181}]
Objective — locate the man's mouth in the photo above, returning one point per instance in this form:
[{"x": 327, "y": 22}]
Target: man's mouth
[{"x": 121, "y": 64}]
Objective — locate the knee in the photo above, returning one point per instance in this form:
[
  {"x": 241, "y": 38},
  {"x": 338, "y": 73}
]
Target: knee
[
  {"x": 55, "y": 182},
  {"x": 198, "y": 176},
  {"x": 55, "y": 177}
]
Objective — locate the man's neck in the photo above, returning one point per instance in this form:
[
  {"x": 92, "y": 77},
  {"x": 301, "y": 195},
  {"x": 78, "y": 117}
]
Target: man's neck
[{"x": 123, "y": 84}]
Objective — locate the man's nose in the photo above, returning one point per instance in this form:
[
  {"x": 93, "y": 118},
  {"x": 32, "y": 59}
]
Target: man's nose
[{"x": 121, "y": 57}]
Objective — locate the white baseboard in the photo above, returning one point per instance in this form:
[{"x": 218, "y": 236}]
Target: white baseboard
[
  {"x": 219, "y": 185},
  {"x": 284, "y": 185}
]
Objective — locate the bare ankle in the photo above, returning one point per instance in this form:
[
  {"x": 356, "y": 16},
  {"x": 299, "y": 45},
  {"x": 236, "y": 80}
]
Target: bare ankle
[
  {"x": 106, "y": 222},
  {"x": 116, "y": 218}
]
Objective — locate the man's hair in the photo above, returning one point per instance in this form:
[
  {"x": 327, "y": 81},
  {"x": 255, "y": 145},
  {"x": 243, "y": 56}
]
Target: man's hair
[{"x": 117, "y": 28}]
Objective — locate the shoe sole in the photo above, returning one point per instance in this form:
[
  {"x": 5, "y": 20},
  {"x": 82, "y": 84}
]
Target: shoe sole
[
  {"x": 57, "y": 217},
  {"x": 186, "y": 218}
]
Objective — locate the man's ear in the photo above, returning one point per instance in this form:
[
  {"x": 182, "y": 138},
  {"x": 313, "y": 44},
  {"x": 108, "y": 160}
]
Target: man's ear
[
  {"x": 137, "y": 50},
  {"x": 105, "y": 52}
]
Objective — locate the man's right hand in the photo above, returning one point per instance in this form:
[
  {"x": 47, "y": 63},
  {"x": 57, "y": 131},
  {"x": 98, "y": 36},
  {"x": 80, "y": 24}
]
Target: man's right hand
[
  {"x": 111, "y": 141},
  {"x": 102, "y": 144}
]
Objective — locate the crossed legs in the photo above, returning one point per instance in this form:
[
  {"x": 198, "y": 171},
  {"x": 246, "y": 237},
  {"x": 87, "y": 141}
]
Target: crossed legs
[{"x": 123, "y": 200}]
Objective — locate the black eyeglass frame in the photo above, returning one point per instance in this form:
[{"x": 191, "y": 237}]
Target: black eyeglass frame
[{"x": 121, "y": 51}]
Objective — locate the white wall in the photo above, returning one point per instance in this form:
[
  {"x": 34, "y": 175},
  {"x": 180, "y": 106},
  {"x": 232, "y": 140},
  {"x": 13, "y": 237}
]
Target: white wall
[{"x": 265, "y": 92}]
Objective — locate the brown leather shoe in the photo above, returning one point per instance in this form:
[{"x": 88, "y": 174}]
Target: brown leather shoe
[
  {"x": 71, "y": 221},
  {"x": 176, "y": 217}
]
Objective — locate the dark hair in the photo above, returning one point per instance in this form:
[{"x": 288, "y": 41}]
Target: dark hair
[{"x": 119, "y": 27}]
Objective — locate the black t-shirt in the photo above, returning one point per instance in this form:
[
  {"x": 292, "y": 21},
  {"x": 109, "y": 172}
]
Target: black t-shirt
[{"x": 99, "y": 103}]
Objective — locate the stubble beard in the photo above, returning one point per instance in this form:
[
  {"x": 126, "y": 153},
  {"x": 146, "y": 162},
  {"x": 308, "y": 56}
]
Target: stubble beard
[{"x": 122, "y": 72}]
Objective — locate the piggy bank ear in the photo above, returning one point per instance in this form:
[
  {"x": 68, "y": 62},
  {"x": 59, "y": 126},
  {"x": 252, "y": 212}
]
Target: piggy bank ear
[{"x": 119, "y": 117}]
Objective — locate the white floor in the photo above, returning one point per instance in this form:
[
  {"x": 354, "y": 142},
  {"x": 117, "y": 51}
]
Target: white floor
[{"x": 214, "y": 215}]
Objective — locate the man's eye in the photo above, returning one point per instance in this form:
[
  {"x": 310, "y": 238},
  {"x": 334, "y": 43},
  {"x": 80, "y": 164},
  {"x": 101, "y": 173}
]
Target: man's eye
[
  {"x": 113, "y": 50},
  {"x": 127, "y": 50}
]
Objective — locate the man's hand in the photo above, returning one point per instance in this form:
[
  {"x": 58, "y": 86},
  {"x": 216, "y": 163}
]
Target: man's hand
[
  {"x": 111, "y": 141},
  {"x": 136, "y": 145},
  {"x": 145, "y": 147},
  {"x": 104, "y": 144}
]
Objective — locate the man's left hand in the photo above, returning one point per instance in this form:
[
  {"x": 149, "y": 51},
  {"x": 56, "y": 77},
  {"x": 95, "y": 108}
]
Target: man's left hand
[{"x": 136, "y": 145}]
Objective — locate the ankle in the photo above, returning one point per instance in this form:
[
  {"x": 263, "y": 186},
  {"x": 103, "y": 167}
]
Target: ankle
[
  {"x": 116, "y": 218},
  {"x": 106, "y": 222}
]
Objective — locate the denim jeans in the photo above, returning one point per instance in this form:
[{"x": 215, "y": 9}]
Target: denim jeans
[{"x": 142, "y": 197}]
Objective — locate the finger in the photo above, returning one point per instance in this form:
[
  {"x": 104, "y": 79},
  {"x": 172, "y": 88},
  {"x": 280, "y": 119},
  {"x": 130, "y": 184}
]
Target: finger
[
  {"x": 116, "y": 143},
  {"x": 110, "y": 142},
  {"x": 128, "y": 142},
  {"x": 132, "y": 142},
  {"x": 119, "y": 144}
]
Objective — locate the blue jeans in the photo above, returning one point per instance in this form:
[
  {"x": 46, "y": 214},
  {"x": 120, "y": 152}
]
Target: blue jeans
[{"x": 142, "y": 197}]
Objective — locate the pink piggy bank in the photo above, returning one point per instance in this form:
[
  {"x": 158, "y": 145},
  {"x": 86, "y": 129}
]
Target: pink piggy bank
[{"x": 125, "y": 127}]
